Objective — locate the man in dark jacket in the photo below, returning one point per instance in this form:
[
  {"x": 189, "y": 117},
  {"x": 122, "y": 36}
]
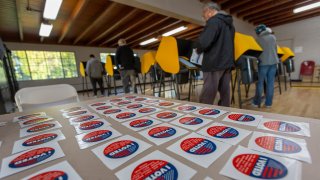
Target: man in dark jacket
[
  {"x": 125, "y": 64},
  {"x": 217, "y": 43}
]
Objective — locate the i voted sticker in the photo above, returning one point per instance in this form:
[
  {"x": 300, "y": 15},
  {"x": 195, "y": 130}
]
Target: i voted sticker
[
  {"x": 190, "y": 121},
  {"x": 277, "y": 144},
  {"x": 258, "y": 166},
  {"x": 151, "y": 101},
  {"x": 155, "y": 169},
  {"x": 223, "y": 132},
  {"x": 187, "y": 108},
  {"x": 281, "y": 126},
  {"x": 166, "y": 115},
  {"x": 91, "y": 125},
  {"x": 98, "y": 104},
  {"x": 123, "y": 103},
  {"x": 166, "y": 104},
  {"x": 51, "y": 175},
  {"x": 147, "y": 110},
  {"x": 112, "y": 111},
  {"x": 96, "y": 136},
  {"x": 103, "y": 108},
  {"x": 134, "y": 106},
  {"x": 30, "y": 116},
  {"x": 82, "y": 118},
  {"x": 139, "y": 123},
  {"x": 121, "y": 149},
  {"x": 76, "y": 113},
  {"x": 41, "y": 127},
  {"x": 115, "y": 100},
  {"x": 130, "y": 97},
  {"x": 32, "y": 157},
  {"x": 35, "y": 121},
  {"x": 140, "y": 99},
  {"x": 162, "y": 132},
  {"x": 125, "y": 115},
  {"x": 241, "y": 117},
  {"x": 40, "y": 139},
  {"x": 209, "y": 112},
  {"x": 198, "y": 146}
]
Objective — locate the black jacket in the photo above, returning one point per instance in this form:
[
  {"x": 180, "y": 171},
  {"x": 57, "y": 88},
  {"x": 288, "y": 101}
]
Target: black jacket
[
  {"x": 217, "y": 43},
  {"x": 125, "y": 58}
]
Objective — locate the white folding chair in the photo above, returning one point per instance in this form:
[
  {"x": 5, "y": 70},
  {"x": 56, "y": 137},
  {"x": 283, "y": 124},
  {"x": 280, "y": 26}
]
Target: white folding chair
[{"x": 45, "y": 96}]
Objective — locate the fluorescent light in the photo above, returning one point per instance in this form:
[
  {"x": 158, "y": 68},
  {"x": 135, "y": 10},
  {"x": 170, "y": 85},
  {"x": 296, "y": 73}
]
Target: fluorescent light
[
  {"x": 51, "y": 9},
  {"x": 148, "y": 41},
  {"x": 308, "y": 7},
  {"x": 175, "y": 31},
  {"x": 45, "y": 29}
]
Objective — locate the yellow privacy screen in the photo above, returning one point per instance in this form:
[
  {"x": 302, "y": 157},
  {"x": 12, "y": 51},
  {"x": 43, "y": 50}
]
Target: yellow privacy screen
[
  {"x": 147, "y": 60},
  {"x": 167, "y": 55},
  {"x": 109, "y": 66},
  {"x": 245, "y": 45}
]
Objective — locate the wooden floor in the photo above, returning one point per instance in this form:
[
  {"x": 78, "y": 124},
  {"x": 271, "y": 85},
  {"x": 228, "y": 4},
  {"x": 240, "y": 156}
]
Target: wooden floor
[{"x": 296, "y": 101}]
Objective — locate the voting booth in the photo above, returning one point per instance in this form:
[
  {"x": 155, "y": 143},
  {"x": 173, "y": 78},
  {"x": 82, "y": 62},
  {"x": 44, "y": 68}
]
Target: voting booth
[
  {"x": 148, "y": 59},
  {"x": 109, "y": 67},
  {"x": 83, "y": 74},
  {"x": 247, "y": 52}
]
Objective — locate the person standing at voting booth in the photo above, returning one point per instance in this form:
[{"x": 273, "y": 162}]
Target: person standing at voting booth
[
  {"x": 95, "y": 72},
  {"x": 125, "y": 63},
  {"x": 267, "y": 68},
  {"x": 216, "y": 42}
]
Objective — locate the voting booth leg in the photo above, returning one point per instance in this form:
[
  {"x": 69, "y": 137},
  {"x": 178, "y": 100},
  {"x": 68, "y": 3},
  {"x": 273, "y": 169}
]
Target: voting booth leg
[
  {"x": 285, "y": 77},
  {"x": 106, "y": 79},
  {"x": 144, "y": 83},
  {"x": 238, "y": 80},
  {"x": 114, "y": 86},
  {"x": 279, "y": 83},
  {"x": 177, "y": 85},
  {"x": 190, "y": 84},
  {"x": 233, "y": 86},
  {"x": 160, "y": 83},
  {"x": 139, "y": 82},
  {"x": 247, "y": 88}
]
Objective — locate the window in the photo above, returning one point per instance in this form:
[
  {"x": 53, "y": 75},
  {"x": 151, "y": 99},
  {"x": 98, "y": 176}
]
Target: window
[
  {"x": 37, "y": 65},
  {"x": 103, "y": 56}
]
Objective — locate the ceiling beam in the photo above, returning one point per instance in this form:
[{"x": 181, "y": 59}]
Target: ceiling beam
[
  {"x": 19, "y": 19},
  {"x": 231, "y": 4},
  {"x": 75, "y": 13},
  {"x": 133, "y": 12},
  {"x": 292, "y": 16},
  {"x": 190, "y": 33},
  {"x": 144, "y": 29},
  {"x": 270, "y": 5},
  {"x": 142, "y": 20},
  {"x": 96, "y": 22},
  {"x": 249, "y": 6},
  {"x": 273, "y": 24}
]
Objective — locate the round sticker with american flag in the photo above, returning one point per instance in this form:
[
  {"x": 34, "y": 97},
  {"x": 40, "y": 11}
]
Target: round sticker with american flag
[
  {"x": 198, "y": 146},
  {"x": 121, "y": 149},
  {"x": 162, "y": 132},
  {"x": 223, "y": 132},
  {"x": 278, "y": 144},
  {"x": 241, "y": 117},
  {"x": 155, "y": 169},
  {"x": 281, "y": 126}
]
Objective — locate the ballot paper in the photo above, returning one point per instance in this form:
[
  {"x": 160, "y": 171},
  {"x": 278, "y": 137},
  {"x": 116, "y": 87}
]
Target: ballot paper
[
  {"x": 117, "y": 152},
  {"x": 60, "y": 171},
  {"x": 76, "y": 113},
  {"x": 167, "y": 104},
  {"x": 28, "y": 116},
  {"x": 96, "y": 136},
  {"x": 148, "y": 110},
  {"x": 187, "y": 108},
  {"x": 225, "y": 133},
  {"x": 293, "y": 128},
  {"x": 110, "y": 112},
  {"x": 243, "y": 119},
  {"x": 209, "y": 112},
  {"x": 135, "y": 106},
  {"x": 280, "y": 145},
  {"x": 37, "y": 141},
  {"x": 39, "y": 128},
  {"x": 83, "y": 118},
  {"x": 166, "y": 116},
  {"x": 31, "y": 158},
  {"x": 246, "y": 164},
  {"x": 196, "y": 58},
  {"x": 125, "y": 116},
  {"x": 34, "y": 121},
  {"x": 163, "y": 133},
  {"x": 72, "y": 109},
  {"x": 91, "y": 125},
  {"x": 191, "y": 122},
  {"x": 199, "y": 149},
  {"x": 141, "y": 123},
  {"x": 156, "y": 165}
]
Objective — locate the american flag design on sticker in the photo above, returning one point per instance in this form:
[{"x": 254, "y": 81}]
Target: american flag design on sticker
[
  {"x": 147, "y": 110},
  {"x": 162, "y": 132},
  {"x": 281, "y": 126},
  {"x": 41, "y": 127},
  {"x": 111, "y": 111},
  {"x": 125, "y": 115},
  {"x": 51, "y": 175},
  {"x": 166, "y": 115},
  {"x": 155, "y": 169},
  {"x": 82, "y": 118},
  {"x": 98, "y": 104},
  {"x": 198, "y": 146},
  {"x": 139, "y": 123},
  {"x": 91, "y": 125},
  {"x": 134, "y": 106},
  {"x": 241, "y": 117},
  {"x": 187, "y": 108},
  {"x": 103, "y": 108},
  {"x": 278, "y": 145},
  {"x": 121, "y": 149},
  {"x": 190, "y": 121},
  {"x": 209, "y": 112},
  {"x": 223, "y": 132},
  {"x": 96, "y": 136},
  {"x": 40, "y": 139}
]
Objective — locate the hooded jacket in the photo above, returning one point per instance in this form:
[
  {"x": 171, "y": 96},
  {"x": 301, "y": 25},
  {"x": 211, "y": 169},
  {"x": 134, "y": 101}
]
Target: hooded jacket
[
  {"x": 217, "y": 43},
  {"x": 268, "y": 43},
  {"x": 125, "y": 57}
]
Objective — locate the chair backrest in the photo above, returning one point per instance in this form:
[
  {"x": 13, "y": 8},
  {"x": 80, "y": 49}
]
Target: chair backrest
[
  {"x": 307, "y": 68},
  {"x": 45, "y": 96}
]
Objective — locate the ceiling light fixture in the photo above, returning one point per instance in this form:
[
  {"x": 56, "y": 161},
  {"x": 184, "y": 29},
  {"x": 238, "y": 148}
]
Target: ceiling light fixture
[
  {"x": 51, "y": 9},
  {"x": 45, "y": 29},
  {"x": 175, "y": 31},
  {"x": 148, "y": 41},
  {"x": 307, "y": 7}
]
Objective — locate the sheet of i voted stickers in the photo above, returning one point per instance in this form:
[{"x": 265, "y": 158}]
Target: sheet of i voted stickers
[
  {"x": 280, "y": 145},
  {"x": 209, "y": 112},
  {"x": 156, "y": 165},
  {"x": 37, "y": 140},
  {"x": 199, "y": 149},
  {"x": 225, "y": 133},
  {"x": 34, "y": 121},
  {"x": 287, "y": 127},
  {"x": 243, "y": 119},
  {"x": 191, "y": 122},
  {"x": 246, "y": 164},
  {"x": 91, "y": 125},
  {"x": 96, "y": 136},
  {"x": 39, "y": 128},
  {"x": 117, "y": 152},
  {"x": 60, "y": 171},
  {"x": 30, "y": 158},
  {"x": 141, "y": 123},
  {"x": 162, "y": 133}
]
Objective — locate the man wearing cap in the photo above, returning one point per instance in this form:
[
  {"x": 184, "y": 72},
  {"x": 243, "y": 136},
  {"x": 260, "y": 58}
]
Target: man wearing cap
[
  {"x": 217, "y": 43},
  {"x": 268, "y": 61}
]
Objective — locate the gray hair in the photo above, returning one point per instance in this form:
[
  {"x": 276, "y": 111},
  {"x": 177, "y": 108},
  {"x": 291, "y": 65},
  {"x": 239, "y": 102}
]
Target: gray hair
[{"x": 212, "y": 5}]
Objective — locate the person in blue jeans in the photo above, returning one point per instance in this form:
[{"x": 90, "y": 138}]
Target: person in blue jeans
[{"x": 268, "y": 61}]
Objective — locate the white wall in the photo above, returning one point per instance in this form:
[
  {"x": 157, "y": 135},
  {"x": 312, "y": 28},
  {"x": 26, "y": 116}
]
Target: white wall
[
  {"x": 304, "y": 34},
  {"x": 81, "y": 53}
]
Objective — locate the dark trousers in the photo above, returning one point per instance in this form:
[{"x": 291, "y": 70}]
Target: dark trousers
[
  {"x": 94, "y": 82},
  {"x": 214, "y": 82},
  {"x": 128, "y": 76}
]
